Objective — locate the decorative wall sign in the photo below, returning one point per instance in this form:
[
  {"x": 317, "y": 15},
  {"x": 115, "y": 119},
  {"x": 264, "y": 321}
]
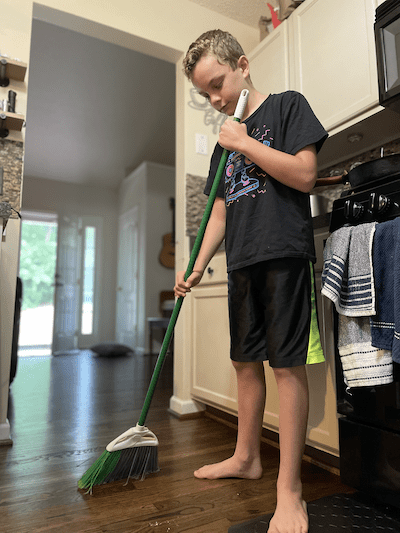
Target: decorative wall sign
[{"x": 211, "y": 116}]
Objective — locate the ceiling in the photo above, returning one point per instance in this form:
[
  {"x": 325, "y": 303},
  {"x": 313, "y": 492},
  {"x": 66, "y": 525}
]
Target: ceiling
[
  {"x": 247, "y": 12},
  {"x": 96, "y": 110}
]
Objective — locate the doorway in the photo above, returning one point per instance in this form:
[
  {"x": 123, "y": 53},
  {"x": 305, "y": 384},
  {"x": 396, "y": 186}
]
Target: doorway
[
  {"x": 37, "y": 268},
  {"x": 77, "y": 283},
  {"x": 82, "y": 140},
  {"x": 60, "y": 274}
]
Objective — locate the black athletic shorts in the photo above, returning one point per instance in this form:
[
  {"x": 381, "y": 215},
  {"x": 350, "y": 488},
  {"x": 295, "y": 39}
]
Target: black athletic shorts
[{"x": 272, "y": 313}]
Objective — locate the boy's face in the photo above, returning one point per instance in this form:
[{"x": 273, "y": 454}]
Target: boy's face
[{"x": 218, "y": 83}]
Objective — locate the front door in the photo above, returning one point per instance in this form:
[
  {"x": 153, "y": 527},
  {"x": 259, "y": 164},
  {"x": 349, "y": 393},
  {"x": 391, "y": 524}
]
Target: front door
[{"x": 77, "y": 283}]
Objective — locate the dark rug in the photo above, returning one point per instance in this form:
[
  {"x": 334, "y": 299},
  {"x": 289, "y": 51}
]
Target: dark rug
[{"x": 339, "y": 512}]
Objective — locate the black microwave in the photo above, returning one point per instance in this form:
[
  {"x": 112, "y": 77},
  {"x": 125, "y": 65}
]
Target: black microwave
[{"x": 387, "y": 42}]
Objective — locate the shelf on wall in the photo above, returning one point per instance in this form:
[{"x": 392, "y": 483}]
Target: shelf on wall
[
  {"x": 13, "y": 121},
  {"x": 15, "y": 70}
]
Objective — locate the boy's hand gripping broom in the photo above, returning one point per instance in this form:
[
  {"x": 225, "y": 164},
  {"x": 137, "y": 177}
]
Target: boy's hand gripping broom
[{"x": 135, "y": 453}]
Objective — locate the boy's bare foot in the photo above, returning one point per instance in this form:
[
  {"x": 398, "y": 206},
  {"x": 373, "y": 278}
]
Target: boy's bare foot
[
  {"x": 231, "y": 467},
  {"x": 290, "y": 516}
]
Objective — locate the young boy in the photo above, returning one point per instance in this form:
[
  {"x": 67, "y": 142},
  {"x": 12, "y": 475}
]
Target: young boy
[{"x": 262, "y": 210}]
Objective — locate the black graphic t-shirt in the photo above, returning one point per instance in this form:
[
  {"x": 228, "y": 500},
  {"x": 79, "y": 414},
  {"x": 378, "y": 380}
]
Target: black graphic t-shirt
[{"x": 264, "y": 218}]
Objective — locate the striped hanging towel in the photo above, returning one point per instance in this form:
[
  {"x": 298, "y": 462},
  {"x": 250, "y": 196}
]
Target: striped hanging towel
[
  {"x": 347, "y": 277},
  {"x": 363, "y": 364}
]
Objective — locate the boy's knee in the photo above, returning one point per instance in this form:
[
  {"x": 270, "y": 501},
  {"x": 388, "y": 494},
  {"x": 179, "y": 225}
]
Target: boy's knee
[
  {"x": 249, "y": 368},
  {"x": 289, "y": 372}
]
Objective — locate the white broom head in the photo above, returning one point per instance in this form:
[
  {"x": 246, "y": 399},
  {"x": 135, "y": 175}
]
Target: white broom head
[{"x": 134, "y": 437}]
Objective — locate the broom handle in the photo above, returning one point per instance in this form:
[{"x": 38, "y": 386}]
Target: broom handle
[{"x": 241, "y": 105}]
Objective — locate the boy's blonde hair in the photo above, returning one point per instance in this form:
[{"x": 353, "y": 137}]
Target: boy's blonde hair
[{"x": 219, "y": 43}]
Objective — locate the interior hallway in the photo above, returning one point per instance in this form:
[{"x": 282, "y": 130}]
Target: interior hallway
[{"x": 64, "y": 410}]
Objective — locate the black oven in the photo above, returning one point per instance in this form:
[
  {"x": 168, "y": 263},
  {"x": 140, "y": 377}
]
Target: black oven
[
  {"x": 387, "y": 41},
  {"x": 369, "y": 417}
]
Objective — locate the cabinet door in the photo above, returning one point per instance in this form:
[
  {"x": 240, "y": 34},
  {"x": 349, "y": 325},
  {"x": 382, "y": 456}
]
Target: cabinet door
[
  {"x": 214, "y": 379},
  {"x": 269, "y": 62},
  {"x": 322, "y": 420},
  {"x": 213, "y": 376},
  {"x": 333, "y": 51},
  {"x": 323, "y": 431}
]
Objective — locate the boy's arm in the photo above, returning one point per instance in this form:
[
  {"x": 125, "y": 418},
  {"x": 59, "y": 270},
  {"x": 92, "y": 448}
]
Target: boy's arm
[
  {"x": 213, "y": 237},
  {"x": 298, "y": 171}
]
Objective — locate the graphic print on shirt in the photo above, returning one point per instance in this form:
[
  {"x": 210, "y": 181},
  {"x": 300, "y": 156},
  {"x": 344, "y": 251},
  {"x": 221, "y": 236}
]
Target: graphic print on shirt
[{"x": 242, "y": 176}]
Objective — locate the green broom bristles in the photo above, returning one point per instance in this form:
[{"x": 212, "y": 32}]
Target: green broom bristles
[
  {"x": 128, "y": 463},
  {"x": 100, "y": 469}
]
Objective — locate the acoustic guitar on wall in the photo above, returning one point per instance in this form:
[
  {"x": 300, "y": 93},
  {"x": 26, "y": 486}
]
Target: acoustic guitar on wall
[{"x": 167, "y": 254}]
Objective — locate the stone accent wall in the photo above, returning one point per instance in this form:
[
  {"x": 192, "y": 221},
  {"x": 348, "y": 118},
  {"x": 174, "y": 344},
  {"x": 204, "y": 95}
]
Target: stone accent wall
[
  {"x": 196, "y": 202},
  {"x": 11, "y": 159}
]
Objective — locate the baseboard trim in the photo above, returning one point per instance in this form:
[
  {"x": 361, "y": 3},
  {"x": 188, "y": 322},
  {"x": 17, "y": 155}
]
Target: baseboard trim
[
  {"x": 311, "y": 455},
  {"x": 187, "y": 416},
  {"x": 5, "y": 437},
  {"x": 184, "y": 409}
]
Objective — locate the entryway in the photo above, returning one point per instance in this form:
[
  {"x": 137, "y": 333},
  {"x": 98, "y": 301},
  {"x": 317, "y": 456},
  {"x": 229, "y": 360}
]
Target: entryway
[
  {"x": 37, "y": 269},
  {"x": 59, "y": 269}
]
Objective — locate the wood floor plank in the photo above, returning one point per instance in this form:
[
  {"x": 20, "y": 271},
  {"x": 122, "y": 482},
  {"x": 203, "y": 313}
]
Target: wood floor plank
[{"x": 63, "y": 412}]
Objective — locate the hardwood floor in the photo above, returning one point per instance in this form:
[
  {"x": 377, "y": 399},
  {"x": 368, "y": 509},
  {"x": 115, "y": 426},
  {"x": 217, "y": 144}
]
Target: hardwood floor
[{"x": 64, "y": 410}]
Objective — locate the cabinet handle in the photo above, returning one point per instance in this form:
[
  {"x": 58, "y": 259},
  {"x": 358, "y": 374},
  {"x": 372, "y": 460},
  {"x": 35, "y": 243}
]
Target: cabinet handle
[{"x": 210, "y": 271}]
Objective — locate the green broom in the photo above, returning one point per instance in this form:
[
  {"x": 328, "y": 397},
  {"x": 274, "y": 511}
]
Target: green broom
[{"x": 134, "y": 454}]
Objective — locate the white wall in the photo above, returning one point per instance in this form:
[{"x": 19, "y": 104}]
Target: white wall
[
  {"x": 70, "y": 199},
  {"x": 161, "y": 187},
  {"x": 149, "y": 188}
]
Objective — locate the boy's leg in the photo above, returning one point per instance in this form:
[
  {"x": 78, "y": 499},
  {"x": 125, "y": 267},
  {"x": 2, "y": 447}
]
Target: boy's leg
[
  {"x": 246, "y": 461},
  {"x": 290, "y": 515}
]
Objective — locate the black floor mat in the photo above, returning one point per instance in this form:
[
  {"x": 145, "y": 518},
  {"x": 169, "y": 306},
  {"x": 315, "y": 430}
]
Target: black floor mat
[{"x": 341, "y": 512}]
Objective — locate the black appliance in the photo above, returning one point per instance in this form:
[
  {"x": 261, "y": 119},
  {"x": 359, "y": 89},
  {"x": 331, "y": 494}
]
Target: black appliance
[
  {"x": 373, "y": 201},
  {"x": 387, "y": 43},
  {"x": 369, "y": 417}
]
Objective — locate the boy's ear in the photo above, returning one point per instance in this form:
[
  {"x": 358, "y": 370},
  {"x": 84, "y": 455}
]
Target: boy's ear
[{"x": 243, "y": 65}]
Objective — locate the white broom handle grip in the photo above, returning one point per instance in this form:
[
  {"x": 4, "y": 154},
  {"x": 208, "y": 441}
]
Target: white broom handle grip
[{"x": 241, "y": 105}]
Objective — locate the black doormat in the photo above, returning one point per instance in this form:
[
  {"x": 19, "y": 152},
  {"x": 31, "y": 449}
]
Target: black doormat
[{"x": 339, "y": 512}]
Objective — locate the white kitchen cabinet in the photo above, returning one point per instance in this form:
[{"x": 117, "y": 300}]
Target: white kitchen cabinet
[
  {"x": 269, "y": 62},
  {"x": 214, "y": 380},
  {"x": 326, "y": 51},
  {"x": 332, "y": 50},
  {"x": 213, "y": 376},
  {"x": 322, "y": 421}
]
